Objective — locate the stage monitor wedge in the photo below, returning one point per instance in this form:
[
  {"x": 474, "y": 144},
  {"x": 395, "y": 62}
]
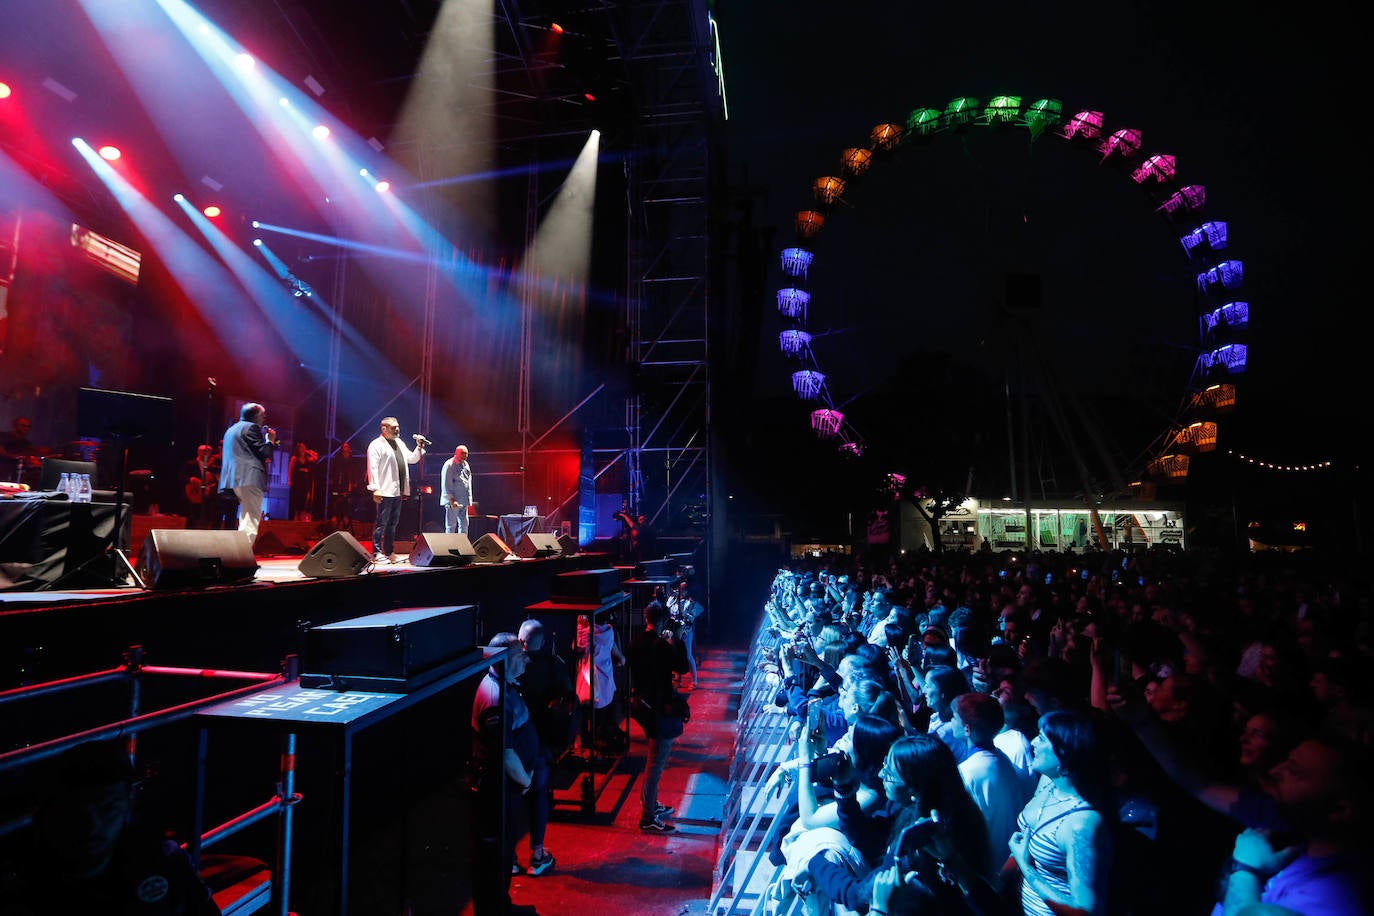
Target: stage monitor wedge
[
  {"x": 568, "y": 545},
  {"x": 337, "y": 556},
  {"x": 436, "y": 549},
  {"x": 181, "y": 558},
  {"x": 533, "y": 545},
  {"x": 490, "y": 549}
]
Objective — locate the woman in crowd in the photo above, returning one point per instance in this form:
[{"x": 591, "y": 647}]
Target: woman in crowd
[
  {"x": 1062, "y": 847},
  {"x": 930, "y": 824}
]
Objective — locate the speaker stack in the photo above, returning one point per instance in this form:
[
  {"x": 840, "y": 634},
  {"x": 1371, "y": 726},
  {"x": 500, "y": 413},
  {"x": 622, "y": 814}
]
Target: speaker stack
[
  {"x": 337, "y": 556},
  {"x": 490, "y": 549},
  {"x": 182, "y": 558},
  {"x": 435, "y": 549},
  {"x": 537, "y": 545}
]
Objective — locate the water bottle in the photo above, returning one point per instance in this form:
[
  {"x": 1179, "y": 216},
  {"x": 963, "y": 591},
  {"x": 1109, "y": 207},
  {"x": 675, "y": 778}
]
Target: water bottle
[
  {"x": 64, "y": 486},
  {"x": 83, "y": 489}
]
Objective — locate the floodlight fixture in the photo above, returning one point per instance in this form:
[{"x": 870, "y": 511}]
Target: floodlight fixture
[
  {"x": 212, "y": 211},
  {"x": 5, "y": 91},
  {"x": 555, "y": 28},
  {"x": 256, "y": 225},
  {"x": 382, "y": 186},
  {"x": 109, "y": 153},
  {"x": 178, "y": 197},
  {"x": 320, "y": 132},
  {"x": 257, "y": 242}
]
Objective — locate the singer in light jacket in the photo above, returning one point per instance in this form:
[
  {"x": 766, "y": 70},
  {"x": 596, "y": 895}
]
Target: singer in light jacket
[
  {"x": 455, "y": 494},
  {"x": 389, "y": 480}
]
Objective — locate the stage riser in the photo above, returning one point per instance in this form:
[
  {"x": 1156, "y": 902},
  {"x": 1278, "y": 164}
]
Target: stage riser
[{"x": 252, "y": 627}]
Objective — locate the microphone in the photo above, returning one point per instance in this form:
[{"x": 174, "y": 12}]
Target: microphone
[{"x": 420, "y": 440}]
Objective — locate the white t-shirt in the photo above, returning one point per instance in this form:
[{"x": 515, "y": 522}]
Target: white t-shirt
[
  {"x": 1000, "y": 794},
  {"x": 1017, "y": 747}
]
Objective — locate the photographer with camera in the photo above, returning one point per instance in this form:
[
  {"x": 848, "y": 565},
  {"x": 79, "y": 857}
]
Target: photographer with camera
[{"x": 655, "y": 655}]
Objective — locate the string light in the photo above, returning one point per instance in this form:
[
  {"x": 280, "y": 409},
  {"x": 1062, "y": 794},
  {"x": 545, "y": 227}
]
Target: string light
[{"x": 1275, "y": 466}]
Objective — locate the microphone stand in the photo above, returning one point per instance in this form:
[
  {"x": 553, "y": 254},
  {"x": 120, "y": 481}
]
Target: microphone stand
[{"x": 419, "y": 493}]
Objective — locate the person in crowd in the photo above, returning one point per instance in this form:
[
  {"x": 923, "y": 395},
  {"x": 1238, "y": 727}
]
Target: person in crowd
[
  {"x": 500, "y": 768},
  {"x": 685, "y": 609},
  {"x": 455, "y": 491},
  {"x": 655, "y": 655},
  {"x": 929, "y": 819},
  {"x": 1062, "y": 846},
  {"x": 1323, "y": 864},
  {"x": 199, "y": 479},
  {"x": 547, "y": 690},
  {"x": 301, "y": 473},
  {"x": 991, "y": 779},
  {"x": 90, "y": 854},
  {"x": 248, "y": 446},
  {"x": 942, "y": 685},
  {"x": 389, "y": 482}
]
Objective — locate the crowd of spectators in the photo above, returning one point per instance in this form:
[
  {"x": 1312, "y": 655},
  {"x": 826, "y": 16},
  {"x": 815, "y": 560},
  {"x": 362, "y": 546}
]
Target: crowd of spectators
[{"x": 1072, "y": 733}]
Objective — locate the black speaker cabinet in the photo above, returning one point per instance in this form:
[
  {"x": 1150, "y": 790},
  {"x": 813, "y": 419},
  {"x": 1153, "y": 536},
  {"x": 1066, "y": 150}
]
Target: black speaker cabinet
[
  {"x": 436, "y": 549},
  {"x": 537, "y": 545},
  {"x": 490, "y": 549},
  {"x": 337, "y": 556},
  {"x": 181, "y": 558},
  {"x": 567, "y": 544}
]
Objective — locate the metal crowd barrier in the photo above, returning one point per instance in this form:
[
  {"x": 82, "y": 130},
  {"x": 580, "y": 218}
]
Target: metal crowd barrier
[
  {"x": 743, "y": 873},
  {"x": 132, "y": 673}
]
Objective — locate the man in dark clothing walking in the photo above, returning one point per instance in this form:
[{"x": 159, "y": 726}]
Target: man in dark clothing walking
[{"x": 655, "y": 655}]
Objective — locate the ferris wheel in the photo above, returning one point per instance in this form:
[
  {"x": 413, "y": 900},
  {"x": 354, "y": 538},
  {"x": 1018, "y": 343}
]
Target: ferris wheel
[{"x": 1214, "y": 279}]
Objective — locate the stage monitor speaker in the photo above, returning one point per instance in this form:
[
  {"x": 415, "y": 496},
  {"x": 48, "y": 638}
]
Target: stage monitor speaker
[
  {"x": 490, "y": 549},
  {"x": 537, "y": 545},
  {"x": 182, "y": 558},
  {"x": 438, "y": 549},
  {"x": 567, "y": 544},
  {"x": 337, "y": 556}
]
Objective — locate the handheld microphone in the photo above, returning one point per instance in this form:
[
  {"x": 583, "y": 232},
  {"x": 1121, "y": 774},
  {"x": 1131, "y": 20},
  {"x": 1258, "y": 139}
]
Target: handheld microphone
[{"x": 421, "y": 439}]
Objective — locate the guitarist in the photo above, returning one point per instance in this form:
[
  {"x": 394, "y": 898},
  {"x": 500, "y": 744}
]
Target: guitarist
[{"x": 200, "y": 477}]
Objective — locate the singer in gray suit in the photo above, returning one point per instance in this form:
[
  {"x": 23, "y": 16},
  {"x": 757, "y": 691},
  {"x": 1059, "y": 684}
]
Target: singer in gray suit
[{"x": 248, "y": 446}]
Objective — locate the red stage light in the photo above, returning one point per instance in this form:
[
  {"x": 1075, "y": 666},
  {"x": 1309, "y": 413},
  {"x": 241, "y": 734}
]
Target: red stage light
[
  {"x": 5, "y": 91},
  {"x": 211, "y": 211},
  {"x": 589, "y": 97},
  {"x": 109, "y": 153},
  {"x": 556, "y": 28}
]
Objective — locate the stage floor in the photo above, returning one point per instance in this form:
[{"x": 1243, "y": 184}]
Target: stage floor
[{"x": 271, "y": 569}]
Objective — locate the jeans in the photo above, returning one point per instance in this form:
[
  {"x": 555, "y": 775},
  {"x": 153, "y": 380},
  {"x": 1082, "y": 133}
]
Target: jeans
[
  {"x": 384, "y": 532},
  {"x": 659, "y": 749},
  {"x": 456, "y": 520},
  {"x": 250, "y": 510}
]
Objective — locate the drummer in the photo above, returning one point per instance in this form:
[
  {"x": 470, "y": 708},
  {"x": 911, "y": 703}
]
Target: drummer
[{"x": 16, "y": 446}]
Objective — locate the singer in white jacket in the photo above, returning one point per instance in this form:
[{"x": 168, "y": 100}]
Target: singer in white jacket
[{"x": 389, "y": 480}]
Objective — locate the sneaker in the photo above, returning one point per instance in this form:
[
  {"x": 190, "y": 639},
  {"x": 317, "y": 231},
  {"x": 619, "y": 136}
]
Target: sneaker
[
  {"x": 380, "y": 559},
  {"x": 655, "y": 825},
  {"x": 516, "y": 868},
  {"x": 393, "y": 559},
  {"x": 663, "y": 811},
  {"x": 538, "y": 866}
]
